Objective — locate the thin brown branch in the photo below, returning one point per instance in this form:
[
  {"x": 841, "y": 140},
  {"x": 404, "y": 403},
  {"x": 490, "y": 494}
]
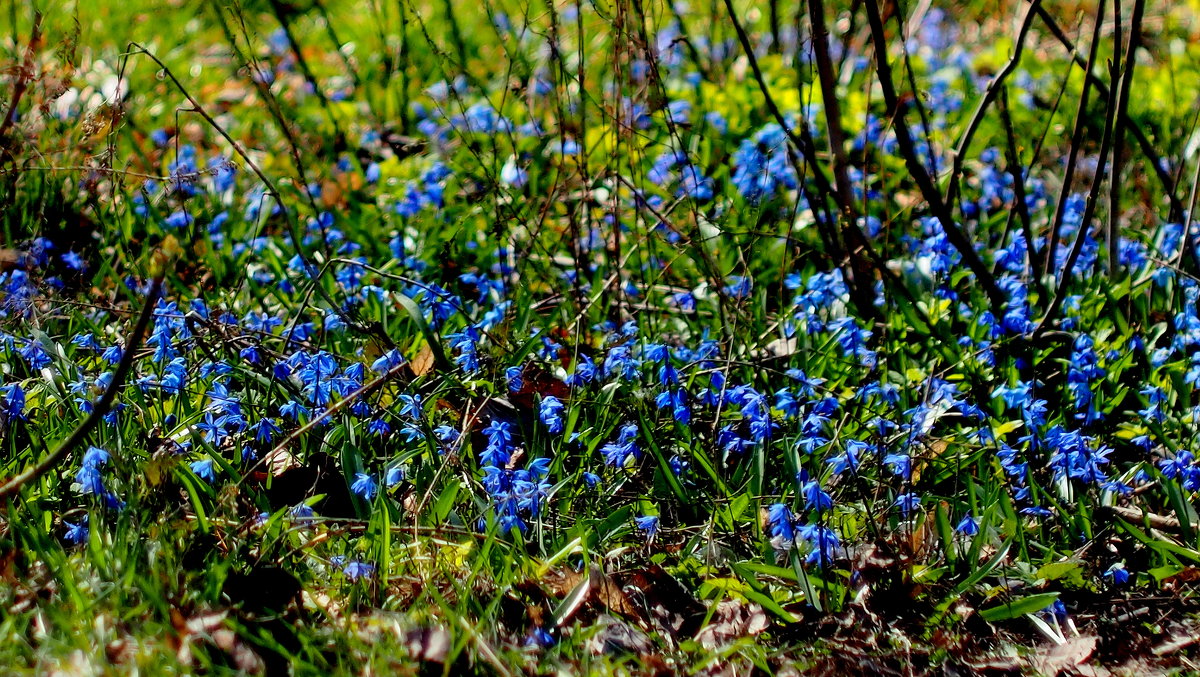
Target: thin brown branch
[
  {"x": 919, "y": 174},
  {"x": 1076, "y": 141},
  {"x": 1147, "y": 148},
  {"x": 989, "y": 97},
  {"x": 20, "y": 85},
  {"x": 1114, "y": 202},
  {"x": 100, "y": 408}
]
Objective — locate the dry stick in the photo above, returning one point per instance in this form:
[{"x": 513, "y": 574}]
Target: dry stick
[
  {"x": 1076, "y": 142},
  {"x": 21, "y": 84},
  {"x": 1135, "y": 129},
  {"x": 805, "y": 141},
  {"x": 100, "y": 408},
  {"x": 460, "y": 45},
  {"x": 1114, "y": 186},
  {"x": 269, "y": 187},
  {"x": 773, "y": 14},
  {"x": 1114, "y": 201},
  {"x": 1187, "y": 224},
  {"x": 989, "y": 96},
  {"x": 694, "y": 54},
  {"x": 1089, "y": 209},
  {"x": 277, "y": 115},
  {"x": 804, "y": 144},
  {"x": 1017, "y": 169},
  {"x": 351, "y": 71},
  {"x": 854, "y": 241},
  {"x": 930, "y": 192},
  {"x": 911, "y": 76},
  {"x": 833, "y": 110},
  {"x": 280, "y": 15}
]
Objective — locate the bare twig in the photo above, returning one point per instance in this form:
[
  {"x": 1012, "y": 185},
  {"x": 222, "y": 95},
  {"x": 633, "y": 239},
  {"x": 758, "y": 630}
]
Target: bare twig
[
  {"x": 924, "y": 182},
  {"x": 100, "y": 408},
  {"x": 269, "y": 187},
  {"x": 1076, "y": 142},
  {"x": 1135, "y": 129},
  {"x": 1114, "y": 211},
  {"x": 861, "y": 275},
  {"x": 989, "y": 97},
  {"x": 281, "y": 15},
  {"x": 1017, "y": 169},
  {"x": 1089, "y": 210},
  {"x": 21, "y": 84}
]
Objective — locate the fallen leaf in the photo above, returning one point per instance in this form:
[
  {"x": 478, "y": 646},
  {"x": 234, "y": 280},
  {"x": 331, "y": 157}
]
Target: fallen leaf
[
  {"x": 430, "y": 644},
  {"x": 1053, "y": 659},
  {"x": 423, "y": 363},
  {"x": 734, "y": 619},
  {"x": 615, "y": 636}
]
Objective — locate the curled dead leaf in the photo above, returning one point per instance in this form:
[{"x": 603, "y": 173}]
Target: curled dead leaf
[
  {"x": 734, "y": 619},
  {"x": 1054, "y": 659}
]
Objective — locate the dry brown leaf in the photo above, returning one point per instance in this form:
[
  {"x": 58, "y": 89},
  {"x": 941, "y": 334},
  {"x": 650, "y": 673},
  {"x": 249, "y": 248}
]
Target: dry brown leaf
[
  {"x": 278, "y": 461},
  {"x": 615, "y": 636},
  {"x": 428, "y": 644},
  {"x": 1056, "y": 658},
  {"x": 734, "y": 619},
  {"x": 423, "y": 363},
  {"x": 1180, "y": 642},
  {"x": 210, "y": 627},
  {"x": 670, "y": 606}
]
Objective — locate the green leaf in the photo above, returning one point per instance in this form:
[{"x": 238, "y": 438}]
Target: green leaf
[
  {"x": 1054, "y": 571},
  {"x": 1025, "y": 605},
  {"x": 983, "y": 571},
  {"x": 445, "y": 501}
]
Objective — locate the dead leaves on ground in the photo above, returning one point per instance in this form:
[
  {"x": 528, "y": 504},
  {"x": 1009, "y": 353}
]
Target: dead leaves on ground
[
  {"x": 211, "y": 628},
  {"x": 644, "y": 611}
]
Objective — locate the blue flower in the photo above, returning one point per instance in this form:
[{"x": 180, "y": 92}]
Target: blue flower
[
  {"x": 550, "y": 412},
  {"x": 90, "y": 480},
  {"x": 204, "y": 469},
  {"x": 76, "y": 533},
  {"x": 74, "y": 261},
  {"x": 410, "y": 405},
  {"x": 178, "y": 219},
  {"x": 12, "y": 402},
  {"x": 1117, "y": 573},
  {"x": 738, "y": 286},
  {"x": 302, "y": 513},
  {"x": 513, "y": 376},
  {"x": 388, "y": 361},
  {"x": 822, "y": 542},
  {"x": 900, "y": 464},
  {"x": 354, "y": 570},
  {"x": 968, "y": 526},
  {"x": 907, "y": 503},
  {"x": 648, "y": 524},
  {"x": 539, "y": 637},
  {"x": 265, "y": 430},
  {"x": 95, "y": 457},
  {"x": 378, "y": 427},
  {"x": 815, "y": 497},
  {"x": 849, "y": 459},
  {"x": 364, "y": 486},
  {"x": 293, "y": 410},
  {"x": 780, "y": 523},
  {"x": 394, "y": 476}
]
